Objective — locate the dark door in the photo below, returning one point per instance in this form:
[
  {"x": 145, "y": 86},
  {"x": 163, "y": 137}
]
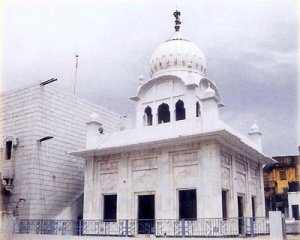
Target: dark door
[
  {"x": 146, "y": 214},
  {"x": 241, "y": 214},
  {"x": 110, "y": 208},
  {"x": 295, "y": 212},
  {"x": 188, "y": 204}
]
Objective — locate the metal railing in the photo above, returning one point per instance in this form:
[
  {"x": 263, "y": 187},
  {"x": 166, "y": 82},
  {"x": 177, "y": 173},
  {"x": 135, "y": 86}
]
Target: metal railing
[{"x": 202, "y": 227}]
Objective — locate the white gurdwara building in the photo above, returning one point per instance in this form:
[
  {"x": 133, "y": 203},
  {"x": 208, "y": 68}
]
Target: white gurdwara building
[{"x": 181, "y": 161}]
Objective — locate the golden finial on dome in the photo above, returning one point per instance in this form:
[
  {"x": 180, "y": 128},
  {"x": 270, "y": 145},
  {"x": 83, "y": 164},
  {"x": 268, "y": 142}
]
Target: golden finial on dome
[{"x": 177, "y": 20}]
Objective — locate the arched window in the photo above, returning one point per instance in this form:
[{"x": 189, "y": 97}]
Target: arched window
[
  {"x": 179, "y": 110},
  {"x": 8, "y": 150},
  {"x": 163, "y": 113},
  {"x": 148, "y": 116},
  {"x": 198, "y": 112},
  {"x": 9, "y": 143}
]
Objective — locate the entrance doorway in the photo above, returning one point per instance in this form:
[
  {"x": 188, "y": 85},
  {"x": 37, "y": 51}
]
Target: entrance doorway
[
  {"x": 241, "y": 214},
  {"x": 188, "y": 204},
  {"x": 146, "y": 214}
]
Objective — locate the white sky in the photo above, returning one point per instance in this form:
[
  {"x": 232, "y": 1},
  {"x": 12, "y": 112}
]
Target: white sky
[{"x": 250, "y": 46}]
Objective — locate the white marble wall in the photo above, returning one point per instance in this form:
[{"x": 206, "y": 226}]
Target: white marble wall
[
  {"x": 206, "y": 167},
  {"x": 242, "y": 176},
  {"x": 45, "y": 175}
]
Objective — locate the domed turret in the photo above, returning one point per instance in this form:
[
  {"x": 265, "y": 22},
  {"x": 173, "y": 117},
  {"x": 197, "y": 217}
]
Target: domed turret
[
  {"x": 94, "y": 117},
  {"x": 209, "y": 92},
  {"x": 254, "y": 128},
  {"x": 178, "y": 88},
  {"x": 177, "y": 53}
]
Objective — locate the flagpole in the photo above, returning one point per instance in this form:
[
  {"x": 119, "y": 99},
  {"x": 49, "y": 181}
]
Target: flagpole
[{"x": 76, "y": 67}]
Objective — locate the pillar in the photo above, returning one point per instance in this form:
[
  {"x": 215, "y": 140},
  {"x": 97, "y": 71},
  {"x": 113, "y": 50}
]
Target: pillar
[
  {"x": 89, "y": 191},
  {"x": 210, "y": 201},
  {"x": 164, "y": 205}
]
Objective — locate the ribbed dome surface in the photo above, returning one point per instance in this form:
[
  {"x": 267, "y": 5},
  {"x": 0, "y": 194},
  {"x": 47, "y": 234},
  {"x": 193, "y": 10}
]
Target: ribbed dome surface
[{"x": 176, "y": 54}]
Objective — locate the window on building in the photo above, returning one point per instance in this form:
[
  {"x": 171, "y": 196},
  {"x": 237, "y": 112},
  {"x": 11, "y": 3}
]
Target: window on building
[
  {"x": 266, "y": 177},
  {"x": 163, "y": 113},
  {"x": 187, "y": 204},
  {"x": 148, "y": 116},
  {"x": 179, "y": 110},
  {"x": 282, "y": 175},
  {"x": 224, "y": 204},
  {"x": 295, "y": 212},
  {"x": 109, "y": 208},
  {"x": 253, "y": 205},
  {"x": 8, "y": 150},
  {"x": 198, "y": 112}
]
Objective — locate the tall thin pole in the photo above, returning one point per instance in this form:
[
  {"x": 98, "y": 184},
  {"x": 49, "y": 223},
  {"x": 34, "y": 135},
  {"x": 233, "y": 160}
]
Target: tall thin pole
[{"x": 76, "y": 67}]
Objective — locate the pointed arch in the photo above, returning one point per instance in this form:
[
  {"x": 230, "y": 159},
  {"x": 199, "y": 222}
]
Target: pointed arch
[
  {"x": 163, "y": 113},
  {"x": 198, "y": 110},
  {"x": 179, "y": 110},
  {"x": 148, "y": 116}
]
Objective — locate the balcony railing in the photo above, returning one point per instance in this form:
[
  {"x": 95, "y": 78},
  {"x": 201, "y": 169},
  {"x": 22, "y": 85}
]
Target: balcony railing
[{"x": 203, "y": 227}]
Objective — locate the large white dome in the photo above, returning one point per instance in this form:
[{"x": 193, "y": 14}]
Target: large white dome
[{"x": 176, "y": 54}]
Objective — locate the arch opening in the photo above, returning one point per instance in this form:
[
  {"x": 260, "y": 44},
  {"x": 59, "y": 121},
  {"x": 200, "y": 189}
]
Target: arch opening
[
  {"x": 198, "y": 111},
  {"x": 8, "y": 150},
  {"x": 163, "y": 113},
  {"x": 148, "y": 116},
  {"x": 179, "y": 110}
]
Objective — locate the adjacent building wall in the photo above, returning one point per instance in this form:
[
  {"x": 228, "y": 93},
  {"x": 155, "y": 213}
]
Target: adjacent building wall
[
  {"x": 279, "y": 179},
  {"x": 45, "y": 177}
]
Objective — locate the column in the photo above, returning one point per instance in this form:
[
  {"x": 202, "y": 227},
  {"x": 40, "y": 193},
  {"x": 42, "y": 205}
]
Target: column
[
  {"x": 89, "y": 199},
  {"x": 276, "y": 228},
  {"x": 200, "y": 208},
  {"x": 248, "y": 192},
  {"x": 190, "y": 105},
  {"x": 122, "y": 195},
  {"x": 233, "y": 195},
  {"x": 261, "y": 207},
  {"x": 164, "y": 206},
  {"x": 210, "y": 199}
]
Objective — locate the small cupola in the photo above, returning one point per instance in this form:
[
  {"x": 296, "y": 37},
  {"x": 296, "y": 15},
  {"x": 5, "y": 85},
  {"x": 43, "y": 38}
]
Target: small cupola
[
  {"x": 94, "y": 131},
  {"x": 255, "y": 136},
  {"x": 210, "y": 108}
]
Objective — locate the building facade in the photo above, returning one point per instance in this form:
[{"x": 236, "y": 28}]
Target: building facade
[
  {"x": 281, "y": 183},
  {"x": 39, "y": 125},
  {"x": 181, "y": 161}
]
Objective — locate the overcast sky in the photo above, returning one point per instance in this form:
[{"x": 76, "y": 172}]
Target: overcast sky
[{"x": 250, "y": 47}]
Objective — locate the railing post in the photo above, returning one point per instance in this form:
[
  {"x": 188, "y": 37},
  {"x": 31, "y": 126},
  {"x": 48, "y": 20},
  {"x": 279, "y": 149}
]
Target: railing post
[
  {"x": 183, "y": 227},
  {"x": 252, "y": 227},
  {"x": 276, "y": 223},
  {"x": 80, "y": 227},
  {"x": 14, "y": 226},
  {"x": 244, "y": 226},
  {"x": 126, "y": 227}
]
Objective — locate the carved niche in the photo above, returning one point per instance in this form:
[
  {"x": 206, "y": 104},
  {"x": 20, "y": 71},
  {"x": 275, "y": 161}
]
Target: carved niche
[
  {"x": 184, "y": 158},
  {"x": 108, "y": 167},
  {"x": 185, "y": 176},
  {"x": 144, "y": 163},
  {"x": 253, "y": 186},
  {"x": 225, "y": 178},
  {"x": 144, "y": 180},
  {"x": 254, "y": 170},
  {"x": 241, "y": 183},
  {"x": 108, "y": 182}
]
